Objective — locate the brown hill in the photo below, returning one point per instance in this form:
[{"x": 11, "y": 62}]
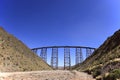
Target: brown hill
[
  {"x": 15, "y": 56},
  {"x": 105, "y": 61}
]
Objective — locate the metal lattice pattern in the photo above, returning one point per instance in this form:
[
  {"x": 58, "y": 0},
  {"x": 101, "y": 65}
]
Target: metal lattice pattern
[
  {"x": 88, "y": 52},
  {"x": 67, "y": 61},
  {"x": 79, "y": 56},
  {"x": 43, "y": 54},
  {"x": 54, "y": 58}
]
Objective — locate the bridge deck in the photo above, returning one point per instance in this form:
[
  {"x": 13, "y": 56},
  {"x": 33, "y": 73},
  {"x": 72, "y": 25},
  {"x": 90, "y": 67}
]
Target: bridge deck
[{"x": 64, "y": 47}]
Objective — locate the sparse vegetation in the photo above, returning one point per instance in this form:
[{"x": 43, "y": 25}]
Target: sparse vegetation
[
  {"x": 108, "y": 56},
  {"x": 113, "y": 75},
  {"x": 15, "y": 56},
  {"x": 96, "y": 72}
]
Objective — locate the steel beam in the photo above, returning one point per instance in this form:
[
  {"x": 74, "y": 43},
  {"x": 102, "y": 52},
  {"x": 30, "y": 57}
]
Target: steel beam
[
  {"x": 67, "y": 59},
  {"x": 54, "y": 58},
  {"x": 43, "y": 54},
  {"x": 64, "y": 47}
]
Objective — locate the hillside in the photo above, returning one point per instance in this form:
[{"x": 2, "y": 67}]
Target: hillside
[
  {"x": 105, "y": 61},
  {"x": 15, "y": 56}
]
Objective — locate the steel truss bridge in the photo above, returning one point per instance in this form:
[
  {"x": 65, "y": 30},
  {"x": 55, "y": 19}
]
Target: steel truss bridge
[{"x": 67, "y": 56}]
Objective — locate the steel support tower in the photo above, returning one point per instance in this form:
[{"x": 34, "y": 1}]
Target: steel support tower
[
  {"x": 54, "y": 58},
  {"x": 88, "y": 52},
  {"x": 67, "y": 59},
  {"x": 43, "y": 54},
  {"x": 79, "y": 56}
]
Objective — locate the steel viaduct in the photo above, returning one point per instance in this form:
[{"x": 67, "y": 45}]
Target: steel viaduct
[{"x": 67, "y": 56}]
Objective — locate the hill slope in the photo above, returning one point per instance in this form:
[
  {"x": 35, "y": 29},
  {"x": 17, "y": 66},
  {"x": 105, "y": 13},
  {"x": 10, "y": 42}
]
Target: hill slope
[
  {"x": 15, "y": 56},
  {"x": 105, "y": 60}
]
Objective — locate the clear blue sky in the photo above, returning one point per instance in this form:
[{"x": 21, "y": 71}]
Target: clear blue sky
[{"x": 60, "y": 22}]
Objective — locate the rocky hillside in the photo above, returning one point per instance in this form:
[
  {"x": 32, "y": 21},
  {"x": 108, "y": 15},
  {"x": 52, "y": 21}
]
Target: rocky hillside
[
  {"x": 15, "y": 56},
  {"x": 105, "y": 61}
]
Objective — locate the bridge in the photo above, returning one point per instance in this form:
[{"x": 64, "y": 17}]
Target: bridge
[{"x": 67, "y": 56}]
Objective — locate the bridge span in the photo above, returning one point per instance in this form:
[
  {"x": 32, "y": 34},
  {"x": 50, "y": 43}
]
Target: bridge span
[{"x": 67, "y": 55}]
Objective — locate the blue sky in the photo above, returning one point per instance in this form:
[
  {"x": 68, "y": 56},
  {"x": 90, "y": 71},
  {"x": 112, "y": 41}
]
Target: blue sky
[{"x": 60, "y": 22}]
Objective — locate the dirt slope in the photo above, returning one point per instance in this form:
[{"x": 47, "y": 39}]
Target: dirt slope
[
  {"x": 15, "y": 56},
  {"x": 105, "y": 59}
]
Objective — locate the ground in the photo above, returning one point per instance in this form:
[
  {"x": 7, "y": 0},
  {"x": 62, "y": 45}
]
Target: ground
[{"x": 45, "y": 75}]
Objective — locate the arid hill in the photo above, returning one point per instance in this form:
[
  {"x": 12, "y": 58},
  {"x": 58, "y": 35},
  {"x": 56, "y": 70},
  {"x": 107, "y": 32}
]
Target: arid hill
[
  {"x": 15, "y": 56},
  {"x": 105, "y": 61}
]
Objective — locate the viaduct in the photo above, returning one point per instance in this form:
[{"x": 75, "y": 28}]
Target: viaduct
[{"x": 67, "y": 56}]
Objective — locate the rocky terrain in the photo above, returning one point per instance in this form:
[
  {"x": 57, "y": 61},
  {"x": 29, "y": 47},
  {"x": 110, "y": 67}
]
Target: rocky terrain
[
  {"x": 46, "y": 75},
  {"x": 105, "y": 61},
  {"x": 15, "y": 56}
]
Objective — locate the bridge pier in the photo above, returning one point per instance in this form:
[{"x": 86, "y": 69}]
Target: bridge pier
[
  {"x": 44, "y": 54},
  {"x": 67, "y": 59},
  {"x": 79, "y": 56},
  {"x": 88, "y": 52},
  {"x": 54, "y": 58}
]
